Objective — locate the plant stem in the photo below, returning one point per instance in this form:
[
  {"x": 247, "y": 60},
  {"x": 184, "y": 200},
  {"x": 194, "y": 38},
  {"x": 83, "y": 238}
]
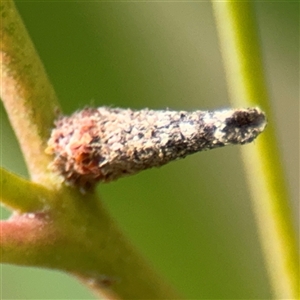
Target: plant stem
[
  {"x": 78, "y": 236},
  {"x": 27, "y": 95},
  {"x": 246, "y": 83},
  {"x": 21, "y": 195},
  {"x": 75, "y": 234}
]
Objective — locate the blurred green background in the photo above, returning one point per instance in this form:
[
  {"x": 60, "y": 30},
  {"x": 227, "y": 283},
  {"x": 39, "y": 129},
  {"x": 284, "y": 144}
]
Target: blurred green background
[{"x": 192, "y": 218}]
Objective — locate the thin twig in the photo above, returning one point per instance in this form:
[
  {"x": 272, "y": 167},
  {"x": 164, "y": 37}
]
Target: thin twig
[
  {"x": 244, "y": 70},
  {"x": 21, "y": 195},
  {"x": 27, "y": 95}
]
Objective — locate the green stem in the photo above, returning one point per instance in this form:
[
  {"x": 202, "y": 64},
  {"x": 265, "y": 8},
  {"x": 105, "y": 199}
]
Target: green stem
[
  {"x": 74, "y": 234},
  {"x": 21, "y": 195},
  {"x": 79, "y": 237},
  {"x": 244, "y": 71},
  {"x": 27, "y": 95}
]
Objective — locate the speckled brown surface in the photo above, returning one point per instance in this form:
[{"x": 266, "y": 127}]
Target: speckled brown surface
[{"x": 104, "y": 144}]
